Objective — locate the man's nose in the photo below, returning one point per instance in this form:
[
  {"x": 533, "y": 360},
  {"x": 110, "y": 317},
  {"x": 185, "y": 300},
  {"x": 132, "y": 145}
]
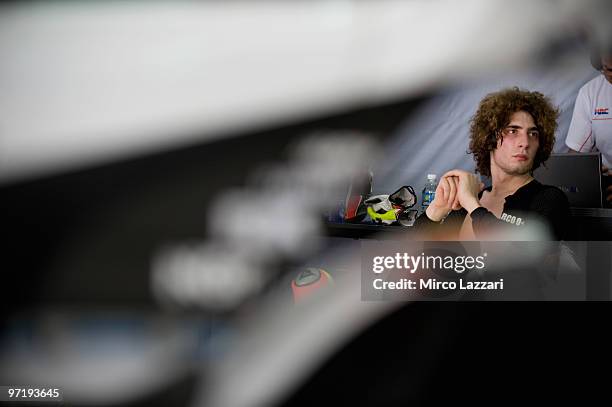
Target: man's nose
[{"x": 523, "y": 139}]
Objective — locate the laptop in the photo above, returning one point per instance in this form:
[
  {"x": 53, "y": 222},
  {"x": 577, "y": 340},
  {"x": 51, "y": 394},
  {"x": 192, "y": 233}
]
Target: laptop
[{"x": 576, "y": 174}]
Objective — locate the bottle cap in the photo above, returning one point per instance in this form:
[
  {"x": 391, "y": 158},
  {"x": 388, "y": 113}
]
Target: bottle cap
[{"x": 431, "y": 176}]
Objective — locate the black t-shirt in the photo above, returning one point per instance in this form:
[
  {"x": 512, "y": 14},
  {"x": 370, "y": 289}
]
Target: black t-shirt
[{"x": 531, "y": 202}]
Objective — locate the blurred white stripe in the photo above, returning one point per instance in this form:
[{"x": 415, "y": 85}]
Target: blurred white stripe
[{"x": 85, "y": 83}]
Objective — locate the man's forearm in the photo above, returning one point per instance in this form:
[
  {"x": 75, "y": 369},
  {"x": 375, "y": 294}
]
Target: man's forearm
[{"x": 435, "y": 214}]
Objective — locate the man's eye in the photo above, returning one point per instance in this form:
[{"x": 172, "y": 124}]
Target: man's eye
[
  {"x": 511, "y": 131},
  {"x": 534, "y": 134}
]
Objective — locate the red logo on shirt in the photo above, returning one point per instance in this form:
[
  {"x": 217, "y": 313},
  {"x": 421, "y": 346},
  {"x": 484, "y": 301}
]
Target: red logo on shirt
[{"x": 601, "y": 110}]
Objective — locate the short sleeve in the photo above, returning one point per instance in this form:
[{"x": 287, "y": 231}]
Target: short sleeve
[{"x": 579, "y": 135}]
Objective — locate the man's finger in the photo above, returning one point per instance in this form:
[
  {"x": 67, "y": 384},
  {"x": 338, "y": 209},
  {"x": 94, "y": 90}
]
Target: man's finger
[
  {"x": 456, "y": 205},
  {"x": 453, "y": 191},
  {"x": 445, "y": 189},
  {"x": 455, "y": 173}
]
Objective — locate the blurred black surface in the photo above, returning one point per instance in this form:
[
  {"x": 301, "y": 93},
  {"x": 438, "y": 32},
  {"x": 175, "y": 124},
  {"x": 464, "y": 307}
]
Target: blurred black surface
[
  {"x": 87, "y": 237},
  {"x": 465, "y": 353}
]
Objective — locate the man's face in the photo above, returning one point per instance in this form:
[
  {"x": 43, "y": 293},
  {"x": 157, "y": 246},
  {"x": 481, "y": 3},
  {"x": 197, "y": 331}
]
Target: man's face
[
  {"x": 606, "y": 68},
  {"x": 517, "y": 145}
]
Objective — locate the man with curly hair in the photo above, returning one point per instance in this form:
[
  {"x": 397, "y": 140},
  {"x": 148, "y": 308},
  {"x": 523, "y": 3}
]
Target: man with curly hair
[{"x": 511, "y": 134}]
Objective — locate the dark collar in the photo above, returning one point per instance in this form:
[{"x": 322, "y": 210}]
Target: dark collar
[{"x": 527, "y": 189}]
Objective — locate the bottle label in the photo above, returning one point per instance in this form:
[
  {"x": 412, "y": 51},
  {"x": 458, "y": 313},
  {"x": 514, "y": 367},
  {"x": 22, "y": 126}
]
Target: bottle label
[{"x": 428, "y": 197}]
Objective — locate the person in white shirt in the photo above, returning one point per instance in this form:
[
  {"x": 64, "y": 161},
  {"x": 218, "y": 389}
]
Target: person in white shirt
[{"x": 591, "y": 125}]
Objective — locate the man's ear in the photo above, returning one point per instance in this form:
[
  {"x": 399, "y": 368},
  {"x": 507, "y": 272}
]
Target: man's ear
[{"x": 499, "y": 138}]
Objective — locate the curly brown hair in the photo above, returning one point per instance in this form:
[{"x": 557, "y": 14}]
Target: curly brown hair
[{"x": 493, "y": 115}]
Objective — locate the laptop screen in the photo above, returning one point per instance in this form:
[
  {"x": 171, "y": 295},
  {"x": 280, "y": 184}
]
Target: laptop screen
[{"x": 576, "y": 174}]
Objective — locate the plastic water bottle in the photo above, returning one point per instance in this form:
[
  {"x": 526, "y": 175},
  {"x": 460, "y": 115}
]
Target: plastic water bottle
[{"x": 429, "y": 191}]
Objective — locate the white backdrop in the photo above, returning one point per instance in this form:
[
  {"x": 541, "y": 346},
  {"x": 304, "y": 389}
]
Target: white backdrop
[{"x": 87, "y": 83}]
